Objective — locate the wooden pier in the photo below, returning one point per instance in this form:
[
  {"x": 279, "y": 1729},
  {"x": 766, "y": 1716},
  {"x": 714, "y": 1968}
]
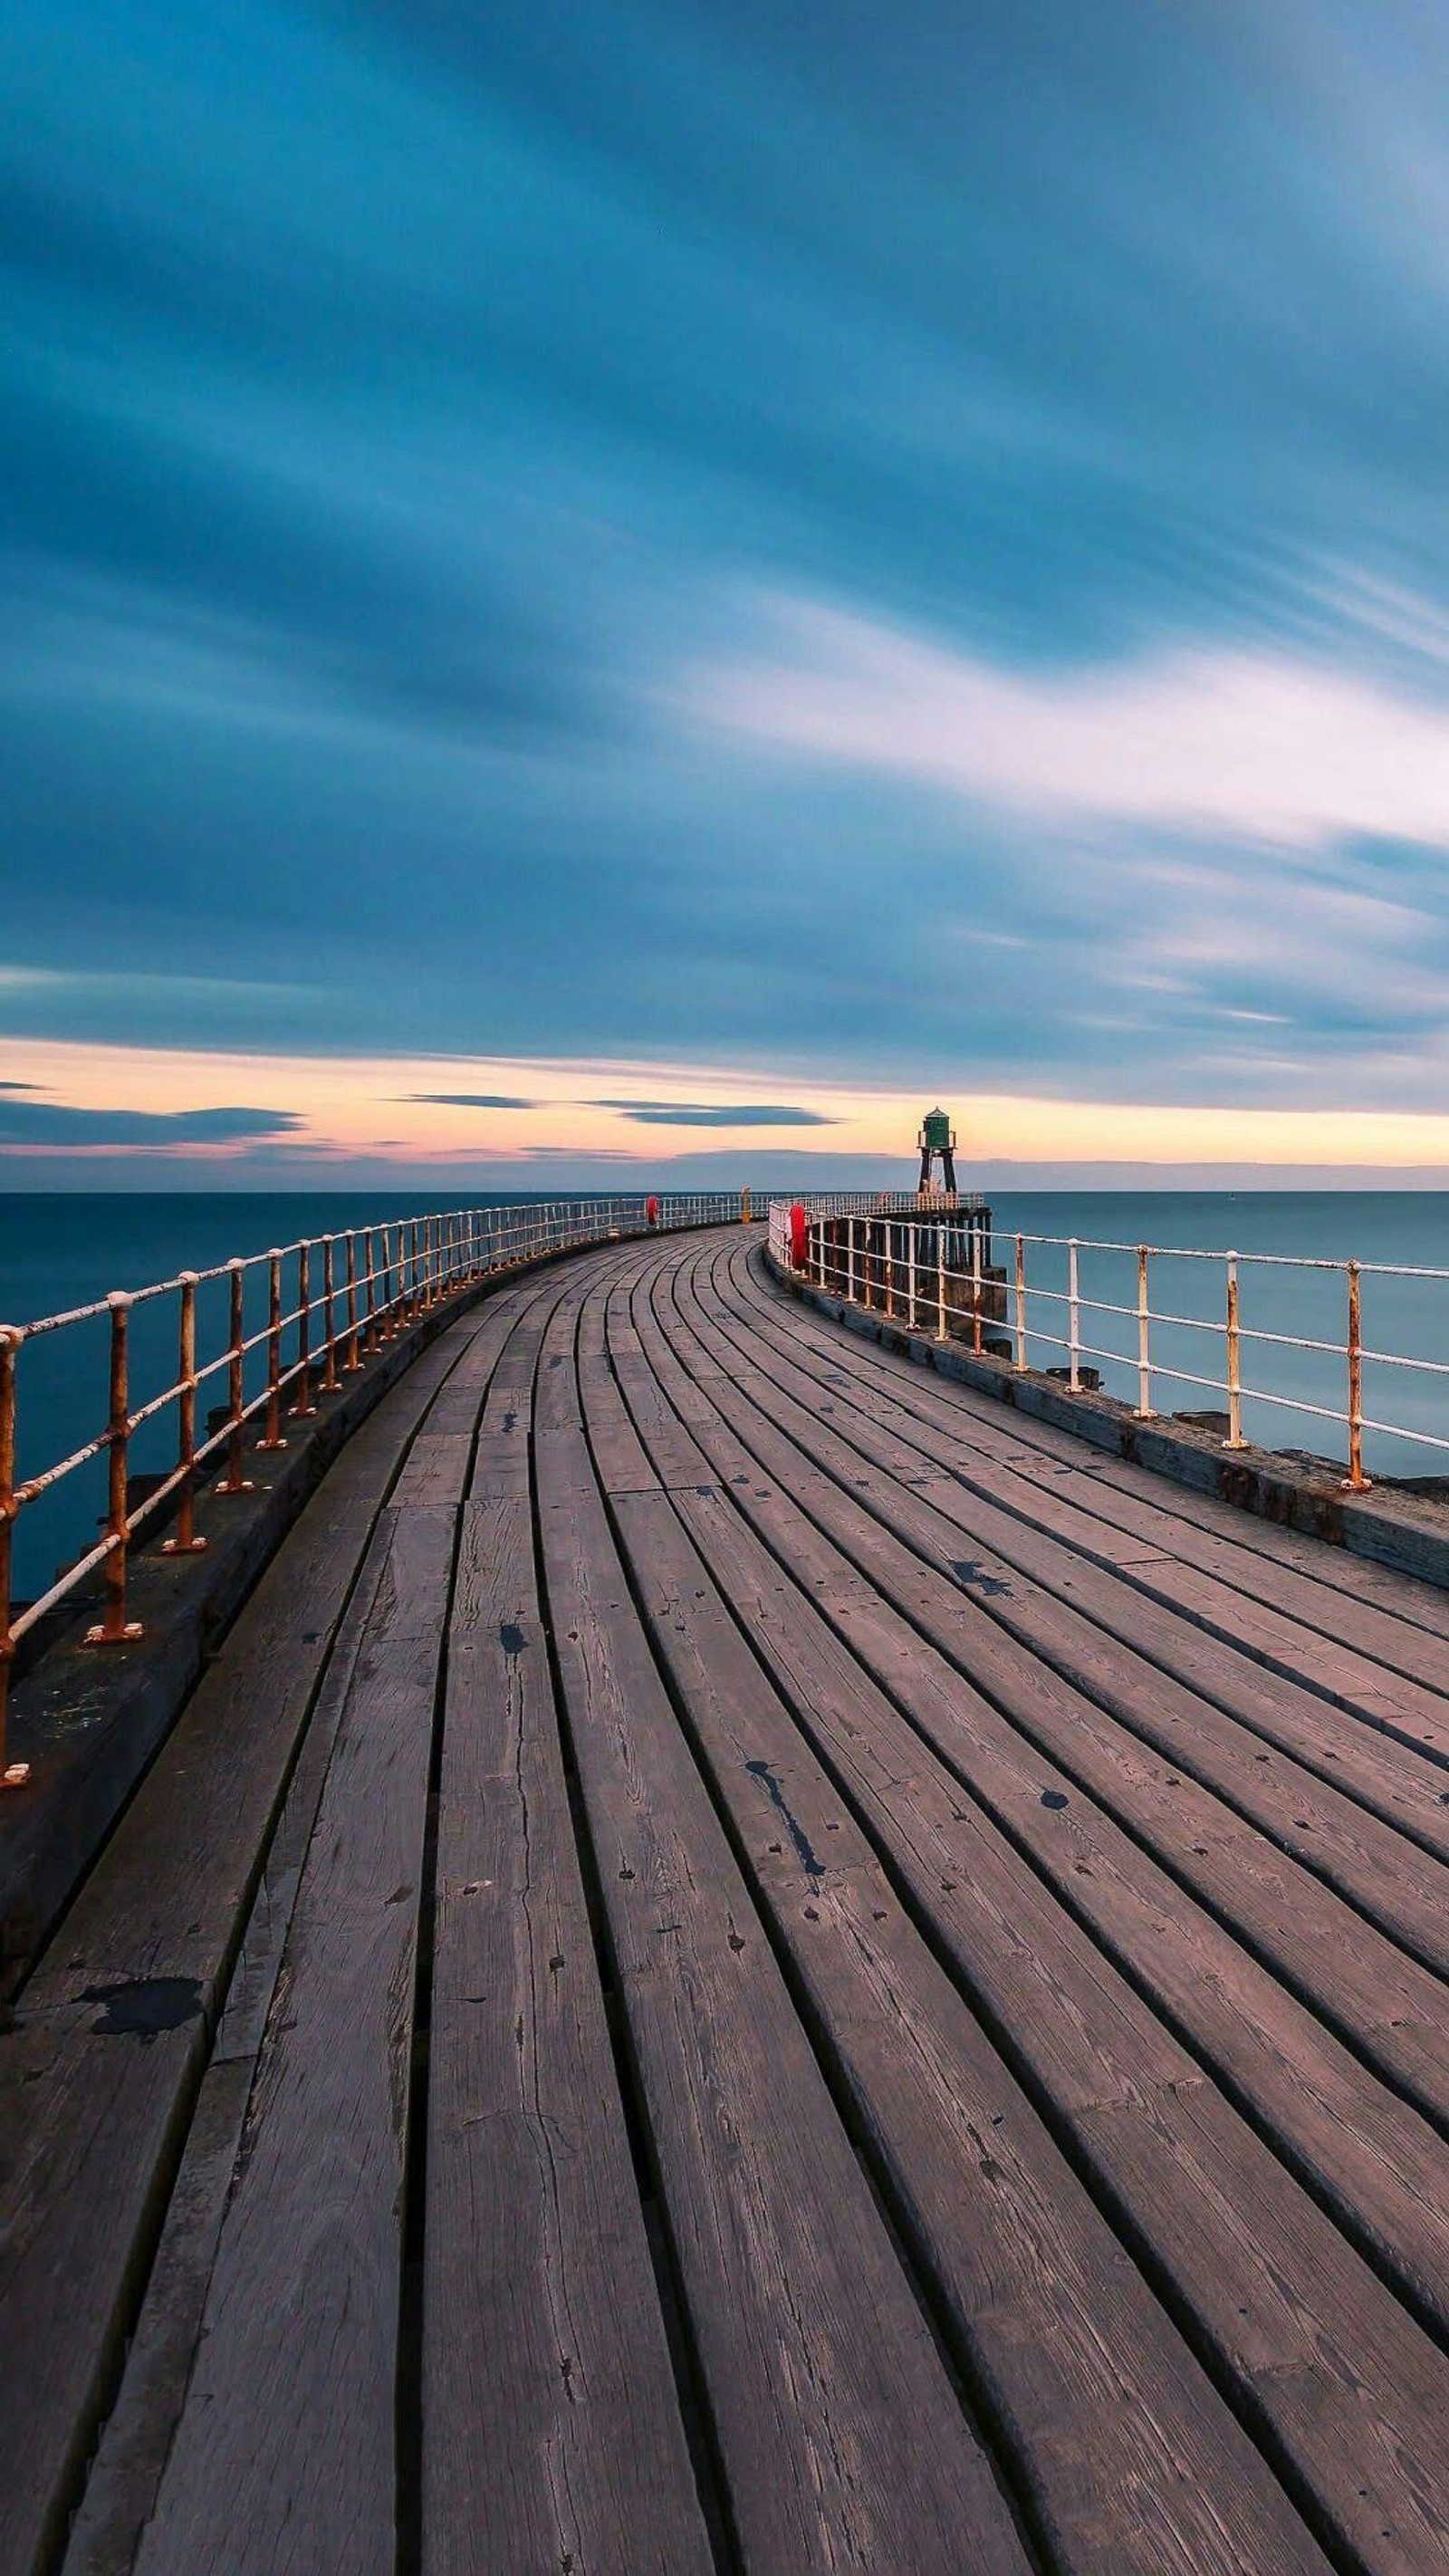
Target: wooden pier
[{"x": 746, "y": 1960}]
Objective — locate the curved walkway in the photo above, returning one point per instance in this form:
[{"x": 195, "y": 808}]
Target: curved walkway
[{"x": 745, "y": 1961}]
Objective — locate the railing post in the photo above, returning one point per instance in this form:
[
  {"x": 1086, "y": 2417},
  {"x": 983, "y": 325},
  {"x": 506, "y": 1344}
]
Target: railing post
[
  {"x": 13, "y": 1775},
  {"x": 304, "y": 1408},
  {"x": 976, "y": 1290},
  {"x": 272, "y": 1439},
  {"x": 1357, "y": 1481},
  {"x": 1235, "y": 1438},
  {"x": 185, "y": 1542},
  {"x": 911, "y": 1278},
  {"x": 1144, "y": 1348},
  {"x": 940, "y": 1281},
  {"x": 329, "y": 1315},
  {"x": 1074, "y": 1308},
  {"x": 114, "y": 1628},
  {"x": 1021, "y": 1301},
  {"x": 234, "y": 1482},
  {"x": 370, "y": 1299}
]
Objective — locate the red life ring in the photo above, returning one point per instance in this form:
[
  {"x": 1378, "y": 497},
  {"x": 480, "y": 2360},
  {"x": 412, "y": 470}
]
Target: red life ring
[{"x": 799, "y": 1237}]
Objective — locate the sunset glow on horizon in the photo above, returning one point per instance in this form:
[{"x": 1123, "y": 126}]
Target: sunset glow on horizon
[{"x": 300, "y": 1120}]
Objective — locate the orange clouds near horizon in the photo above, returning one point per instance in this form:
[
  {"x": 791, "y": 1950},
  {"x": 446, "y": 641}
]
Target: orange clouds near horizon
[{"x": 326, "y": 1110}]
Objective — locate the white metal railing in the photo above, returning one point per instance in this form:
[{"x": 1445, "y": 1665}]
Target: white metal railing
[
  {"x": 331, "y": 1303},
  {"x": 932, "y": 1276},
  {"x": 880, "y": 1202}
]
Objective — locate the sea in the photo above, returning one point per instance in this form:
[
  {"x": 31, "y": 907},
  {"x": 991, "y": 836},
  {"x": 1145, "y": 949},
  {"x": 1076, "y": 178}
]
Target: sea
[{"x": 59, "y": 1250}]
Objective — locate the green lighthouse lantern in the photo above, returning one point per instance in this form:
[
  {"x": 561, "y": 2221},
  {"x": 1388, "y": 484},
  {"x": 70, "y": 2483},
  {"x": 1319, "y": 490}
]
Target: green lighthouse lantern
[{"x": 938, "y": 1141}]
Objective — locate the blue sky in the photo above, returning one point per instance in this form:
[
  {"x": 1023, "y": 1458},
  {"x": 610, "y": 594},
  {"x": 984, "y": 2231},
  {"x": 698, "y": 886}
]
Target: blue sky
[{"x": 902, "y": 548}]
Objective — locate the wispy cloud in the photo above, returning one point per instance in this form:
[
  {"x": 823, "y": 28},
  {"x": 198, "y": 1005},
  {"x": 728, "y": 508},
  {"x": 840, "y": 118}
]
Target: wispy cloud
[
  {"x": 700, "y": 1113},
  {"x": 1258, "y": 745},
  {"x": 26, "y": 1125},
  {"x": 468, "y": 1099}
]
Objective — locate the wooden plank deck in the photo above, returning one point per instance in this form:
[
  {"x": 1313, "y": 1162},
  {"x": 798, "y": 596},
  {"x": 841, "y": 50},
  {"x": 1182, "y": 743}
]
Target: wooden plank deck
[{"x": 745, "y": 1961}]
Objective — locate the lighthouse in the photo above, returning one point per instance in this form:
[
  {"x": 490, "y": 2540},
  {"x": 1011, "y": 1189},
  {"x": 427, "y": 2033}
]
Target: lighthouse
[{"x": 938, "y": 1139}]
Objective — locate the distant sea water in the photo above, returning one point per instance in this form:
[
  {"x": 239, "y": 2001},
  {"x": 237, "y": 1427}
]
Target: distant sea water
[{"x": 58, "y": 1251}]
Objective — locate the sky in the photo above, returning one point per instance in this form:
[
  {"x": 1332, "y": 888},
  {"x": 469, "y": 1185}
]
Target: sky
[{"x": 649, "y": 590}]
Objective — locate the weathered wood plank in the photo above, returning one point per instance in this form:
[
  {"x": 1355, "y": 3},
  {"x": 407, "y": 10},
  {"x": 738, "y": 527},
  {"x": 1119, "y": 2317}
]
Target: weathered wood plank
[
  {"x": 1365, "y": 2151},
  {"x": 1379, "y": 2165},
  {"x": 1395, "y": 1884},
  {"x": 320, "y": 2175},
  {"x": 1390, "y": 2007},
  {"x": 1117, "y": 2436},
  {"x": 93, "y": 2099},
  {"x": 120, "y": 2489},
  {"x": 552, "y": 2434},
  {"x": 136, "y": 2438},
  {"x": 284, "y": 2457},
  {"x": 840, "y": 2437},
  {"x": 91, "y": 2105}
]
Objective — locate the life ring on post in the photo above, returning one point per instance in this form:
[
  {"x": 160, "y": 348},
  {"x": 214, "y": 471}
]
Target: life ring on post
[
  {"x": 651, "y": 1211},
  {"x": 799, "y": 1237}
]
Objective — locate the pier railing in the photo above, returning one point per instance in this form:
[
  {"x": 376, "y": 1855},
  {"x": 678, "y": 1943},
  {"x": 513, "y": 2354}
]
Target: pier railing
[
  {"x": 286, "y": 1326},
  {"x": 1096, "y": 1304}
]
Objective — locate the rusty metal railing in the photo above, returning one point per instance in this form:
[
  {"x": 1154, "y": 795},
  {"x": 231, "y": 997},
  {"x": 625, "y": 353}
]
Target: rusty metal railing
[
  {"x": 903, "y": 1263},
  {"x": 391, "y": 1276}
]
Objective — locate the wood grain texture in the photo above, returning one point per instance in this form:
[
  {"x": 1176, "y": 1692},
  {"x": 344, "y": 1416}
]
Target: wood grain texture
[
  {"x": 842, "y": 2441},
  {"x": 99, "y": 2069},
  {"x": 552, "y": 2429},
  {"x": 1130, "y": 2449},
  {"x": 284, "y": 2457},
  {"x": 1083, "y": 1702}
]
